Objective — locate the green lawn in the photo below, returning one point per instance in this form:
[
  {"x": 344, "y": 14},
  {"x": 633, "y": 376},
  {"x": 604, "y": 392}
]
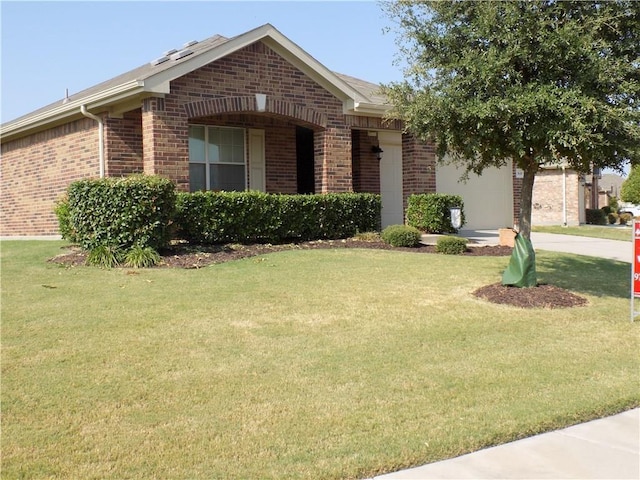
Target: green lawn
[
  {"x": 608, "y": 232},
  {"x": 315, "y": 364}
]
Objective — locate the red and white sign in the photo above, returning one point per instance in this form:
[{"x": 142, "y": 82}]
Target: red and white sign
[{"x": 636, "y": 259}]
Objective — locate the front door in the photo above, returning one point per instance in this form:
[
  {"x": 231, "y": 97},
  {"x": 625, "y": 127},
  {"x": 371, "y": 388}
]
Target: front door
[{"x": 391, "y": 178}]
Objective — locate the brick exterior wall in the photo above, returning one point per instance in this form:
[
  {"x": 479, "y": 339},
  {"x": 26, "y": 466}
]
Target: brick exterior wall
[
  {"x": 547, "y": 205},
  {"x": 123, "y": 144},
  {"x": 419, "y": 167},
  {"x": 36, "y": 170},
  {"x": 366, "y": 166}
]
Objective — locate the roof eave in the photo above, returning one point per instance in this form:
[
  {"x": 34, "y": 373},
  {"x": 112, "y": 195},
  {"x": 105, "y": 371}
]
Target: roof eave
[
  {"x": 67, "y": 110},
  {"x": 367, "y": 109}
]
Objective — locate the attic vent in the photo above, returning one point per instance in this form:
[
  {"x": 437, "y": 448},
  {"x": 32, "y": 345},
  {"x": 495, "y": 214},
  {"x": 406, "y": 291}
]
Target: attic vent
[
  {"x": 181, "y": 54},
  {"x": 188, "y": 44},
  {"x": 160, "y": 60},
  {"x": 170, "y": 52}
]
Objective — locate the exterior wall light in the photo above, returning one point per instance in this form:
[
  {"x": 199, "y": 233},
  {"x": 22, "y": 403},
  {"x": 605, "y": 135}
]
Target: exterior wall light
[{"x": 378, "y": 151}]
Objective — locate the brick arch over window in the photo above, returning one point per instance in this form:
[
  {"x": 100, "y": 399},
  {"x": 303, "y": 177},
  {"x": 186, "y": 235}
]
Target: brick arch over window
[{"x": 217, "y": 106}]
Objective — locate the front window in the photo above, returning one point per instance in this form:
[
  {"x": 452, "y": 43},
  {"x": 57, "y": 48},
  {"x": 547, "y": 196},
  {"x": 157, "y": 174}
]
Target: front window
[{"x": 216, "y": 158}]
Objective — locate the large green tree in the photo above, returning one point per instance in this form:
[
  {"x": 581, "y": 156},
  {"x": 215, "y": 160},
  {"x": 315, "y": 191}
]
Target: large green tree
[{"x": 532, "y": 81}]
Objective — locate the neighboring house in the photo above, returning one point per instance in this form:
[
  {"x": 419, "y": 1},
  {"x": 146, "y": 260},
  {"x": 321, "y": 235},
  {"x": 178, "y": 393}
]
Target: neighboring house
[
  {"x": 250, "y": 112},
  {"x": 562, "y": 195}
]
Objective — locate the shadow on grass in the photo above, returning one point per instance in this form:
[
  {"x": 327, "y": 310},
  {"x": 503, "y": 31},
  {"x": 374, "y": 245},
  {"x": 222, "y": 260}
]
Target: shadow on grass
[{"x": 589, "y": 275}]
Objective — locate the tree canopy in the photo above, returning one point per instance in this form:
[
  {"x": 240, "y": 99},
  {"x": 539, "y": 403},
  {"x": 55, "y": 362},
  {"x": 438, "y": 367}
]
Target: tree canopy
[
  {"x": 536, "y": 82},
  {"x": 630, "y": 191}
]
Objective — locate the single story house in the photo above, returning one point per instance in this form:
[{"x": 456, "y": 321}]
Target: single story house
[{"x": 250, "y": 112}]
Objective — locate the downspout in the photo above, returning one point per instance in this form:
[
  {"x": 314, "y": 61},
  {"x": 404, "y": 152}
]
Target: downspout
[
  {"x": 564, "y": 197},
  {"x": 84, "y": 112}
]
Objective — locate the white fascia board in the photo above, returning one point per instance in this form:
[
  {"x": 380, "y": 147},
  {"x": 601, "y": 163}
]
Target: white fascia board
[
  {"x": 69, "y": 109},
  {"x": 367, "y": 109}
]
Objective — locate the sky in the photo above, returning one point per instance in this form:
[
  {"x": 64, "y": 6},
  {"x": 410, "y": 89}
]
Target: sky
[{"x": 48, "y": 47}]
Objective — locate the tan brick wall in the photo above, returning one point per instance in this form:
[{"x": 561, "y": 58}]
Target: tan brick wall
[
  {"x": 547, "y": 208},
  {"x": 36, "y": 171}
]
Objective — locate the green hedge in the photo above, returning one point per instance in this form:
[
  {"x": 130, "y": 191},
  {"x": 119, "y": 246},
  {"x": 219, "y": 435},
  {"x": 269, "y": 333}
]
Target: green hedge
[
  {"x": 430, "y": 213},
  {"x": 118, "y": 212},
  {"x": 250, "y": 217},
  {"x": 596, "y": 216}
]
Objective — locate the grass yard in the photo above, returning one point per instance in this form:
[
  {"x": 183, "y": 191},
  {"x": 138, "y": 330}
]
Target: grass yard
[
  {"x": 316, "y": 364},
  {"x": 597, "y": 231}
]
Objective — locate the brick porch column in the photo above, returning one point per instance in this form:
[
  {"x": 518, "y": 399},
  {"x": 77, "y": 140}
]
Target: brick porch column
[
  {"x": 165, "y": 143},
  {"x": 418, "y": 167},
  {"x": 333, "y": 171}
]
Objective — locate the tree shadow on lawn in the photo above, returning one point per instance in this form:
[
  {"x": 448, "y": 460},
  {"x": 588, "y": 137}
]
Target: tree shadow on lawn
[{"x": 588, "y": 275}]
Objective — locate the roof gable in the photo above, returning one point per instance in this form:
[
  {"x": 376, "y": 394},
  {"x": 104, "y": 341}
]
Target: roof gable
[{"x": 154, "y": 78}]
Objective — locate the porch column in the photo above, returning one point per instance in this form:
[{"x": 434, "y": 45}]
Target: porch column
[
  {"x": 165, "y": 143},
  {"x": 333, "y": 170},
  {"x": 418, "y": 167}
]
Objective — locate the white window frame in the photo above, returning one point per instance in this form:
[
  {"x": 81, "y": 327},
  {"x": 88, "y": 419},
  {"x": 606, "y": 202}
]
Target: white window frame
[{"x": 208, "y": 163}]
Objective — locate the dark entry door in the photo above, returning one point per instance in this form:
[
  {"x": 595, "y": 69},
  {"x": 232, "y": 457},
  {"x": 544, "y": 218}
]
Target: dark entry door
[{"x": 305, "y": 161}]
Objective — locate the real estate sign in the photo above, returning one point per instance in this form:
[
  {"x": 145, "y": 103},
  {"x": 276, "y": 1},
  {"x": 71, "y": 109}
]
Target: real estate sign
[{"x": 635, "y": 267}]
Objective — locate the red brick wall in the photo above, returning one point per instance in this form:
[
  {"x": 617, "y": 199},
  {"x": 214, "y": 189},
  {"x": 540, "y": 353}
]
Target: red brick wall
[
  {"x": 419, "y": 167},
  {"x": 36, "y": 171},
  {"x": 258, "y": 69},
  {"x": 366, "y": 166},
  {"x": 123, "y": 144}
]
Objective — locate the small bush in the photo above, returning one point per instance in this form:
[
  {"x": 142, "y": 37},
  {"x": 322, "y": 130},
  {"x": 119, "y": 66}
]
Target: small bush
[
  {"x": 451, "y": 245},
  {"x": 105, "y": 256},
  {"x": 431, "y": 213},
  {"x": 367, "y": 236},
  {"x": 595, "y": 216},
  {"x": 625, "y": 218},
  {"x": 607, "y": 209},
  {"x": 401, "y": 236},
  {"x": 612, "y": 218},
  {"x": 141, "y": 257}
]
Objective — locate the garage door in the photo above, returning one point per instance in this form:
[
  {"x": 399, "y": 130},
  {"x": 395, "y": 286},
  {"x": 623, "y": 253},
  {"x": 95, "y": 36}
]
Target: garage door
[{"x": 488, "y": 199}]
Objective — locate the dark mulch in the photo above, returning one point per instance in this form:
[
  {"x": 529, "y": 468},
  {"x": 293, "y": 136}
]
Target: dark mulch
[
  {"x": 541, "y": 296},
  {"x": 198, "y": 256}
]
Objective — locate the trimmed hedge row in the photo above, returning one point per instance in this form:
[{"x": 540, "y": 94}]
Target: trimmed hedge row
[
  {"x": 251, "y": 217},
  {"x": 429, "y": 212},
  {"x": 135, "y": 211}
]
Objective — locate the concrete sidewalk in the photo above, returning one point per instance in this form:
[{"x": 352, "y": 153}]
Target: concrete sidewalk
[
  {"x": 608, "y": 448},
  {"x": 594, "y": 247}
]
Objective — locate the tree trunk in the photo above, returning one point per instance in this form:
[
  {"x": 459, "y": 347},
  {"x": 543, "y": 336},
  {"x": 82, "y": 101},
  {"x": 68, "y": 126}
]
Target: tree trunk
[{"x": 526, "y": 199}]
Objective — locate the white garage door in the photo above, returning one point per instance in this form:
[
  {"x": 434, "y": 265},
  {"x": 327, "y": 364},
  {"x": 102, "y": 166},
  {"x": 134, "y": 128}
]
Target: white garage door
[{"x": 488, "y": 199}]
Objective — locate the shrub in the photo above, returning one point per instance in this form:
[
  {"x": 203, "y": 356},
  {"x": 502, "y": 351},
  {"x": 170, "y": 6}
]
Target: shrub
[
  {"x": 430, "y": 212},
  {"x": 625, "y": 218},
  {"x": 612, "y": 218},
  {"x": 63, "y": 214},
  {"x": 451, "y": 245},
  {"x": 607, "y": 209},
  {"x": 401, "y": 236},
  {"x": 596, "y": 216},
  {"x": 249, "y": 217},
  {"x": 141, "y": 257},
  {"x": 135, "y": 210},
  {"x": 105, "y": 256}
]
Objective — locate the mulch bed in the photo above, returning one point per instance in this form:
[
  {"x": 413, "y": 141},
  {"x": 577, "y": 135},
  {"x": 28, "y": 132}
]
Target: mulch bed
[{"x": 183, "y": 255}]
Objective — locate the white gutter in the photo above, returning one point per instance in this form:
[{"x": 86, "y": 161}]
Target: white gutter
[{"x": 83, "y": 110}]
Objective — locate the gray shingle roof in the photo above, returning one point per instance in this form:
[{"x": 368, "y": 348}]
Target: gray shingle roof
[{"x": 360, "y": 92}]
